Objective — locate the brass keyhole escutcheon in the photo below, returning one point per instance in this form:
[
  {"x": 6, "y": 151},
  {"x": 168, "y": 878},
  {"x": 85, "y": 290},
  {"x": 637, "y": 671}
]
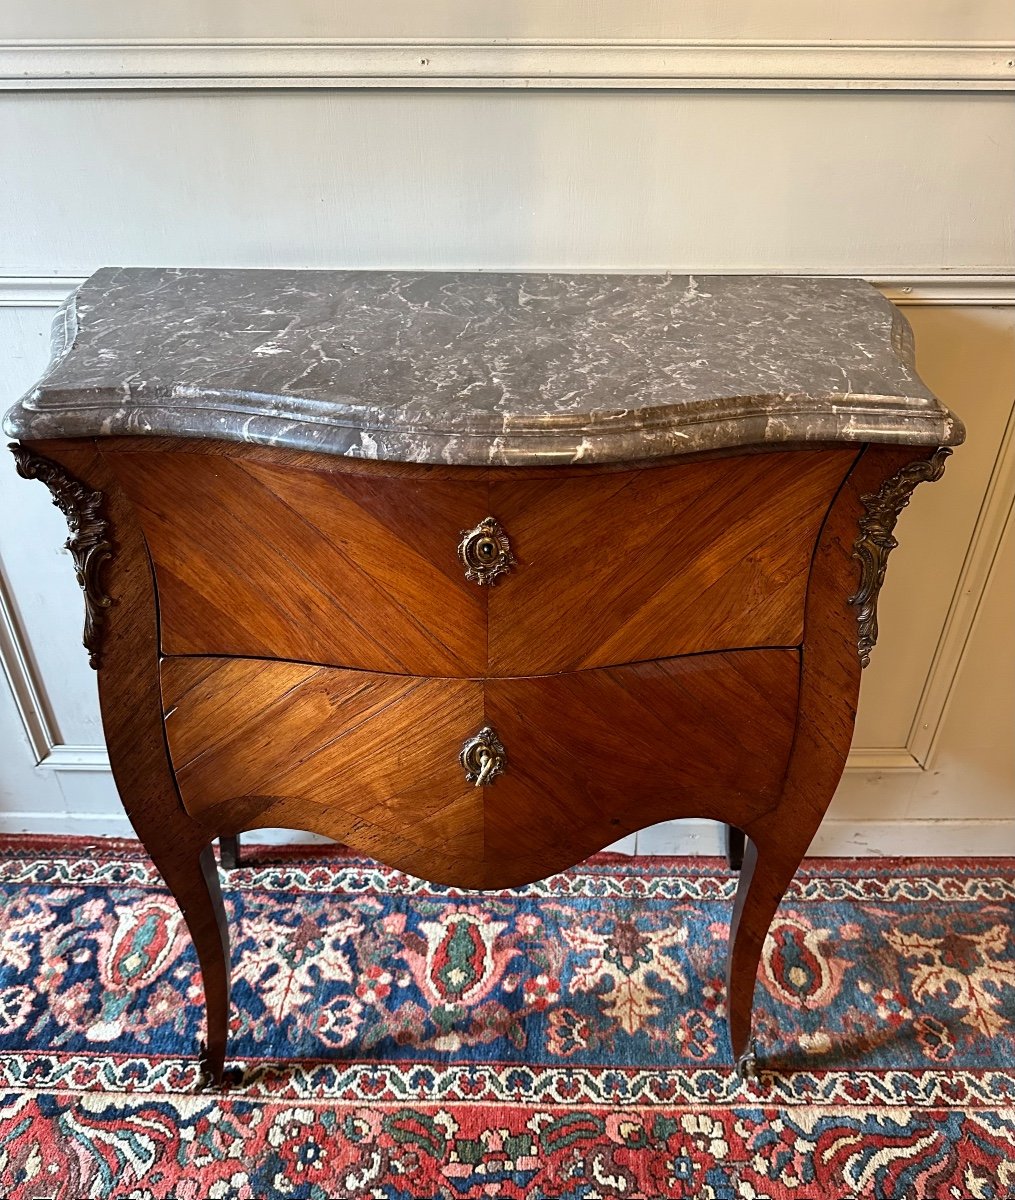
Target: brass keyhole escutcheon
[
  {"x": 483, "y": 758},
  {"x": 485, "y": 552}
]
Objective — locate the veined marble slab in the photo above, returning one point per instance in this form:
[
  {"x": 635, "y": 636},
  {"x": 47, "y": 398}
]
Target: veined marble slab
[{"x": 479, "y": 368}]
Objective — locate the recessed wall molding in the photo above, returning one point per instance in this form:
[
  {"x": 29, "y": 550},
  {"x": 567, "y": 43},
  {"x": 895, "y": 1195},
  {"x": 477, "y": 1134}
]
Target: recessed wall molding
[
  {"x": 41, "y": 291},
  {"x": 23, "y": 680},
  {"x": 65, "y": 757},
  {"x": 996, "y": 510},
  {"x": 507, "y": 63},
  {"x": 912, "y": 290},
  {"x": 882, "y": 758},
  {"x": 49, "y": 291},
  {"x": 30, "y": 701},
  {"x": 36, "y": 291}
]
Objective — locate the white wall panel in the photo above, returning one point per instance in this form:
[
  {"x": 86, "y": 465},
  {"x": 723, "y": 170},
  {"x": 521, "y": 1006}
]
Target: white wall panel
[
  {"x": 964, "y": 802},
  {"x": 873, "y": 184},
  {"x": 37, "y": 571}
]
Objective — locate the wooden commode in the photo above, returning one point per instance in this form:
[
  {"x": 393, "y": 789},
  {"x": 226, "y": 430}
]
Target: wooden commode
[{"x": 477, "y": 573}]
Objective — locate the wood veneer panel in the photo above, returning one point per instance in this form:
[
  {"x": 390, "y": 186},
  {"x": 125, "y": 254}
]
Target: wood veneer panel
[
  {"x": 373, "y": 759},
  {"x": 652, "y": 564},
  {"x": 254, "y": 559},
  {"x": 597, "y": 754},
  {"x": 370, "y": 759},
  {"x": 359, "y": 569}
]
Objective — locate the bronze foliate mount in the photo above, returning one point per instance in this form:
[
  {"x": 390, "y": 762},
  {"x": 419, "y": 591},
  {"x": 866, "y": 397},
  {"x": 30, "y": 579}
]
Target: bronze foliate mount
[
  {"x": 485, "y": 552},
  {"x": 876, "y": 541},
  {"x": 88, "y": 543}
]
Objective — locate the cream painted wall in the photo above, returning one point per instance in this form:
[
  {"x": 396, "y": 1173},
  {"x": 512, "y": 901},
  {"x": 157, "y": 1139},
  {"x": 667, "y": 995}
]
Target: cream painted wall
[
  {"x": 948, "y": 21},
  {"x": 841, "y": 175}
]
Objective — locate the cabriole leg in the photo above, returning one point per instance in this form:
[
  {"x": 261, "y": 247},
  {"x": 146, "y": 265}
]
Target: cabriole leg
[
  {"x": 840, "y": 627},
  {"x": 191, "y": 874},
  {"x": 734, "y": 848},
  {"x": 764, "y": 877},
  {"x": 229, "y": 852}
]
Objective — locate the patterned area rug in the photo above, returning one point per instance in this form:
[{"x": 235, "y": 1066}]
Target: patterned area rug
[{"x": 560, "y": 1041}]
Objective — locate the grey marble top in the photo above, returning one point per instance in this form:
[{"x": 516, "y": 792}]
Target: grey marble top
[{"x": 477, "y": 368}]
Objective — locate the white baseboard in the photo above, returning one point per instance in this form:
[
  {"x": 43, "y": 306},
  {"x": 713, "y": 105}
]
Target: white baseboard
[
  {"x": 853, "y": 839},
  {"x": 103, "y": 825},
  {"x": 55, "y": 824},
  {"x": 915, "y": 839},
  {"x": 835, "y": 839},
  {"x": 681, "y": 837}
]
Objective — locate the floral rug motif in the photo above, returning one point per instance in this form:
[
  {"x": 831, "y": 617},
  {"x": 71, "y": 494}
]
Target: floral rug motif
[{"x": 563, "y": 1041}]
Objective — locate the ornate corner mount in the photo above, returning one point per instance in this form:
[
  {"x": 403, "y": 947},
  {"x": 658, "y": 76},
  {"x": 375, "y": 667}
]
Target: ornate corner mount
[
  {"x": 88, "y": 543},
  {"x": 485, "y": 552},
  {"x": 483, "y": 757},
  {"x": 876, "y": 541}
]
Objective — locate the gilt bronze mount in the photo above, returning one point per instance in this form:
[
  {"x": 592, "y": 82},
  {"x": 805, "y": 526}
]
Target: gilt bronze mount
[
  {"x": 89, "y": 537},
  {"x": 483, "y": 757},
  {"x": 876, "y": 541},
  {"x": 485, "y": 552}
]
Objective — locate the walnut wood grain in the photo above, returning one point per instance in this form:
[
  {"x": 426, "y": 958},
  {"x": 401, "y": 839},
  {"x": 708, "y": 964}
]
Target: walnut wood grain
[
  {"x": 359, "y": 568},
  {"x": 372, "y": 760},
  {"x": 601, "y": 753},
  {"x": 701, "y": 556},
  {"x": 257, "y": 559}
]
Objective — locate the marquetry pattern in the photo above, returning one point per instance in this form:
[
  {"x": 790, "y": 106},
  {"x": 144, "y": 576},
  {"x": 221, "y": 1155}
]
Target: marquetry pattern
[
  {"x": 370, "y": 759},
  {"x": 374, "y": 760},
  {"x": 306, "y": 565},
  {"x": 649, "y": 564},
  {"x": 351, "y": 568}
]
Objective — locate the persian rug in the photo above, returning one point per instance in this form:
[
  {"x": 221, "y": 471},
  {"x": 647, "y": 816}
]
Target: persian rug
[{"x": 564, "y": 1040}]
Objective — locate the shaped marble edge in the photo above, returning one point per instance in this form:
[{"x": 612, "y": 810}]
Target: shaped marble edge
[{"x": 505, "y": 427}]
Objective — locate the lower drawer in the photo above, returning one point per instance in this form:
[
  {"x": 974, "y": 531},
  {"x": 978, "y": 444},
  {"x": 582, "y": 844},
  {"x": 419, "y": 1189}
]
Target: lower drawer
[{"x": 373, "y": 760}]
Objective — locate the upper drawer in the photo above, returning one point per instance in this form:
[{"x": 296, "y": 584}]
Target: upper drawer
[
  {"x": 654, "y": 563},
  {"x": 258, "y": 558},
  {"x": 316, "y": 559}
]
